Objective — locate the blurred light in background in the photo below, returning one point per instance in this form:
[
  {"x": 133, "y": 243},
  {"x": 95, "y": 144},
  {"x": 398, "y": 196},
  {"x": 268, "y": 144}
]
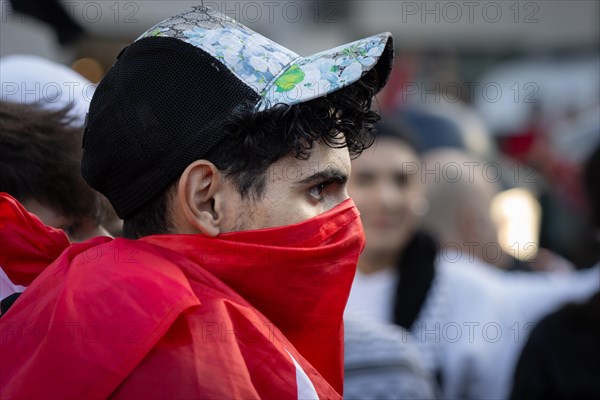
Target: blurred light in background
[{"x": 517, "y": 214}]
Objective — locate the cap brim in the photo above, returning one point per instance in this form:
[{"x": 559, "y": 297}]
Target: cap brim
[{"x": 308, "y": 78}]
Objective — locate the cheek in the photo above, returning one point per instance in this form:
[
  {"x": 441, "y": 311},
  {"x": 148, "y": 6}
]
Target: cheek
[
  {"x": 273, "y": 214},
  {"x": 237, "y": 215},
  {"x": 290, "y": 212}
]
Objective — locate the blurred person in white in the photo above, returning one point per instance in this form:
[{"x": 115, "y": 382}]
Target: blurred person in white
[
  {"x": 454, "y": 314},
  {"x": 467, "y": 318},
  {"x": 460, "y": 191},
  {"x": 459, "y": 198},
  {"x": 458, "y": 141},
  {"x": 560, "y": 359}
]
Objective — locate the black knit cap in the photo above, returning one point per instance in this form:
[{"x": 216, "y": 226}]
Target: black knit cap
[{"x": 163, "y": 103}]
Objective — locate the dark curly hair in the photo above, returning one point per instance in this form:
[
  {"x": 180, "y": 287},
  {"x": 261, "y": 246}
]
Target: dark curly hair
[
  {"x": 40, "y": 152},
  {"x": 255, "y": 140}
]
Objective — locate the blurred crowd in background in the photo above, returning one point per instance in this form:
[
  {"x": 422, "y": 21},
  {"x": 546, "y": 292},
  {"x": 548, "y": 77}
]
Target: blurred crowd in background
[{"x": 478, "y": 218}]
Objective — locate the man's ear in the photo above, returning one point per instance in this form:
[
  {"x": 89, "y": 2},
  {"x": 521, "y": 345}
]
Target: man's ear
[{"x": 197, "y": 189}]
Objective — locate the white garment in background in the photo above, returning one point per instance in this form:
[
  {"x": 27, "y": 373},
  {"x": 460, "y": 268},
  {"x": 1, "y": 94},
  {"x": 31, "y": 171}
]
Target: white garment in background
[
  {"x": 475, "y": 319},
  {"x": 372, "y": 295}
]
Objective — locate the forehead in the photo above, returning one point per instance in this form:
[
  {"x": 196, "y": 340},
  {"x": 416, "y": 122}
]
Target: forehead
[
  {"x": 322, "y": 158},
  {"x": 385, "y": 154},
  {"x": 328, "y": 157}
]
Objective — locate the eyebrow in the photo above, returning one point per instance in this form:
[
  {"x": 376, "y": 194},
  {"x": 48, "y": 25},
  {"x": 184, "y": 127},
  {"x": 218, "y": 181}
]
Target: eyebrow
[{"x": 327, "y": 174}]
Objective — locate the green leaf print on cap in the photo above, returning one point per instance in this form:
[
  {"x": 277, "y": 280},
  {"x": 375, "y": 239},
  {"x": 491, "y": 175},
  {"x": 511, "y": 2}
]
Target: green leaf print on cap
[{"x": 289, "y": 79}]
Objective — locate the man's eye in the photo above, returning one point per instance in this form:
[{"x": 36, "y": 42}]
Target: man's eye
[{"x": 317, "y": 191}]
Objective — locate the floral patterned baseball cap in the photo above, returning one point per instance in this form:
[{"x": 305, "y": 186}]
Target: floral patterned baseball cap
[
  {"x": 277, "y": 74},
  {"x": 164, "y": 102}
]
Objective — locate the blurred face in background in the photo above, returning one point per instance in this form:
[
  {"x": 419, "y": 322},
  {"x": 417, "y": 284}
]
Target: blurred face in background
[
  {"x": 78, "y": 230},
  {"x": 386, "y": 187}
]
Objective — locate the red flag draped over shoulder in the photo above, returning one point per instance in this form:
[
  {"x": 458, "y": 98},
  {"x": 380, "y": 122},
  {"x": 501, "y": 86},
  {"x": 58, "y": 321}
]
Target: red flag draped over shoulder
[
  {"x": 253, "y": 314},
  {"x": 27, "y": 246}
]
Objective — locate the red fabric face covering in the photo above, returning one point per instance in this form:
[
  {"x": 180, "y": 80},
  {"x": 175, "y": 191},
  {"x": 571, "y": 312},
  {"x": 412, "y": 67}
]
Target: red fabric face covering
[
  {"x": 298, "y": 276},
  {"x": 253, "y": 313}
]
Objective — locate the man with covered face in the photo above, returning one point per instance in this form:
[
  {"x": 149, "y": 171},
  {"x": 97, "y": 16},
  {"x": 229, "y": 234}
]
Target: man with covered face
[{"x": 227, "y": 156}]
